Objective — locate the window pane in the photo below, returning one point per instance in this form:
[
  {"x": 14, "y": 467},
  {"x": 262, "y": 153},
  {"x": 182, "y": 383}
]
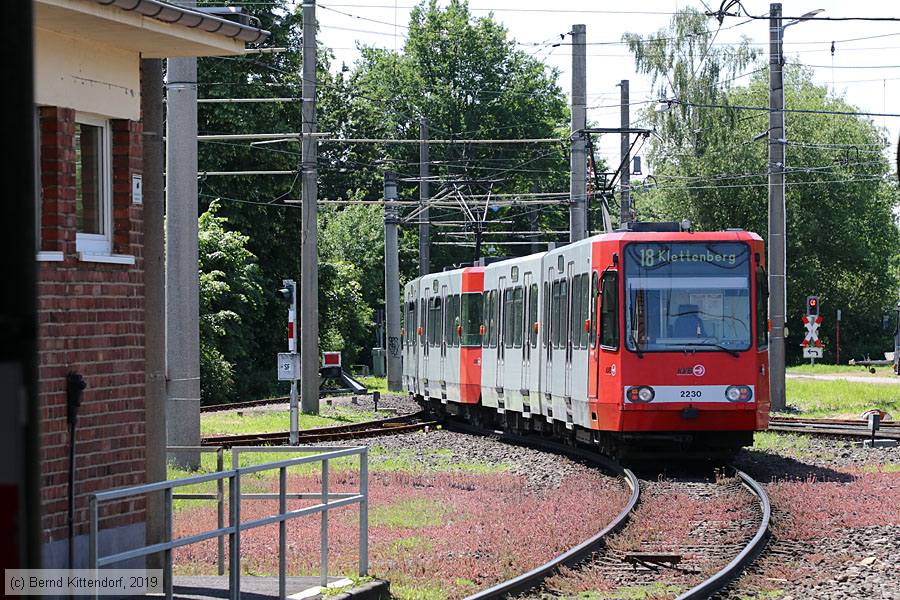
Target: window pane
[
  {"x": 532, "y": 314},
  {"x": 609, "y": 311},
  {"x": 518, "y": 316},
  {"x": 583, "y": 314},
  {"x": 470, "y": 318},
  {"x": 554, "y": 319},
  {"x": 545, "y": 326},
  {"x": 563, "y": 313},
  {"x": 576, "y": 311},
  {"x": 595, "y": 284},
  {"x": 762, "y": 322},
  {"x": 88, "y": 178}
]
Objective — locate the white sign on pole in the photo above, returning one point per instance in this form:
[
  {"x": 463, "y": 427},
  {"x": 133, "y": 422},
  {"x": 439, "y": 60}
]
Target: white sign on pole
[
  {"x": 812, "y": 352},
  {"x": 288, "y": 366}
]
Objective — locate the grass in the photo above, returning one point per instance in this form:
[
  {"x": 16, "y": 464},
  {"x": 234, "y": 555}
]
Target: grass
[
  {"x": 820, "y": 369},
  {"x": 374, "y": 384},
  {"x": 265, "y": 420},
  {"x": 439, "y": 460},
  {"x": 842, "y": 399},
  {"x": 409, "y": 513},
  {"x": 632, "y": 592},
  {"x": 779, "y": 443}
]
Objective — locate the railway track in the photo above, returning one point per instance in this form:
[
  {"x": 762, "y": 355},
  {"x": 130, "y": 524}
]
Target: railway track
[
  {"x": 834, "y": 427},
  {"x": 240, "y": 405},
  {"x": 365, "y": 429},
  {"x": 531, "y": 581}
]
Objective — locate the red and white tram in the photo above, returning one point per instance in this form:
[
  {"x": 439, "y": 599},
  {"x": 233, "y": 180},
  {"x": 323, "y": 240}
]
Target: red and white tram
[{"x": 636, "y": 340}]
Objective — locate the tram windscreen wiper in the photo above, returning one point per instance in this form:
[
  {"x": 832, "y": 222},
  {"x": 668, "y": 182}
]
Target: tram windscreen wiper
[
  {"x": 637, "y": 348},
  {"x": 730, "y": 351}
]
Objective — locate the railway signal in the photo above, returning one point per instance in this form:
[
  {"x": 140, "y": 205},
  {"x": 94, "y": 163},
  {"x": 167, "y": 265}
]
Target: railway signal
[
  {"x": 289, "y": 362},
  {"x": 812, "y": 305},
  {"x": 811, "y": 344}
]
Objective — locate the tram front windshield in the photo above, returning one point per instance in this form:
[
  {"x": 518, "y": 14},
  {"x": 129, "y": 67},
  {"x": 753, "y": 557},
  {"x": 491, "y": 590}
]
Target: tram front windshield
[{"x": 687, "y": 297}]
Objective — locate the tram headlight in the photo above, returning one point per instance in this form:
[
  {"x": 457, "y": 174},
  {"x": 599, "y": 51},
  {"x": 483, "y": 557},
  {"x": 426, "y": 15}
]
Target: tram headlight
[
  {"x": 738, "y": 393},
  {"x": 642, "y": 394}
]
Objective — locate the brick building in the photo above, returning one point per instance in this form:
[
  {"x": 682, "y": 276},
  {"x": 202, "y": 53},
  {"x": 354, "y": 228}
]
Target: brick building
[{"x": 88, "y": 166}]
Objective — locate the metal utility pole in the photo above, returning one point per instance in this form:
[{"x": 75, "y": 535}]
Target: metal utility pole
[
  {"x": 777, "y": 255},
  {"x": 309, "y": 260},
  {"x": 424, "y": 226},
  {"x": 182, "y": 250},
  {"x": 392, "y": 283},
  {"x": 625, "y": 213},
  {"x": 577, "y": 181}
]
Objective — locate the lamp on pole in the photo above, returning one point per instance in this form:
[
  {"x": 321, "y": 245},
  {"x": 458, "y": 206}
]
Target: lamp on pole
[{"x": 777, "y": 221}]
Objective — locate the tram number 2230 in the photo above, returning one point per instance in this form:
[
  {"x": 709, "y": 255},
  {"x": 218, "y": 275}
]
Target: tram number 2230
[{"x": 691, "y": 393}]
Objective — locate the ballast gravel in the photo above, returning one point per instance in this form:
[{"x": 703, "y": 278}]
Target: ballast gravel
[
  {"x": 436, "y": 448},
  {"x": 840, "y": 561}
]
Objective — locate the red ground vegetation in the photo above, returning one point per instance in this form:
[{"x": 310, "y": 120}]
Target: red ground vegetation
[
  {"x": 815, "y": 509},
  {"x": 443, "y": 534}
]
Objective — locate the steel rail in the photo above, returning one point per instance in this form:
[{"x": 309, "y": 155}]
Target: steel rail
[
  {"x": 533, "y": 578},
  {"x": 397, "y": 424},
  {"x": 724, "y": 576},
  {"x": 836, "y": 431},
  {"x": 851, "y": 422}
]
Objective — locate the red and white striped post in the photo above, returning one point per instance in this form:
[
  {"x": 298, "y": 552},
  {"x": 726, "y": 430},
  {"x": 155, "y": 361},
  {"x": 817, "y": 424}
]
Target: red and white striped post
[{"x": 291, "y": 295}]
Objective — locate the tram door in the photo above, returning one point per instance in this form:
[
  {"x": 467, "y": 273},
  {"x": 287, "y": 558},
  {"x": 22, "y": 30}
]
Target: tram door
[
  {"x": 525, "y": 381},
  {"x": 568, "y": 328},
  {"x": 499, "y": 313}
]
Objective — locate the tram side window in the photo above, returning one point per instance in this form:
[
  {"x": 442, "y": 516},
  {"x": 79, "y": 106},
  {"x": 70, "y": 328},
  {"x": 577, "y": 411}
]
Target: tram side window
[
  {"x": 554, "y": 319},
  {"x": 423, "y": 323},
  {"x": 532, "y": 315},
  {"x": 453, "y": 320},
  {"x": 545, "y": 324},
  {"x": 609, "y": 310},
  {"x": 575, "y": 322},
  {"x": 518, "y": 315},
  {"x": 506, "y": 331},
  {"x": 584, "y": 313},
  {"x": 595, "y": 291},
  {"x": 435, "y": 321},
  {"x": 762, "y": 323},
  {"x": 470, "y": 317},
  {"x": 410, "y": 325},
  {"x": 495, "y": 317}
]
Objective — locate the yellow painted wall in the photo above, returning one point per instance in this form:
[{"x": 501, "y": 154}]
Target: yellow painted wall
[{"x": 87, "y": 76}]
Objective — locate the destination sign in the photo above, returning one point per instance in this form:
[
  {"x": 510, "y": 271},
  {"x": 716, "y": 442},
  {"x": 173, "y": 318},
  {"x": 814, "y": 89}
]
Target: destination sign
[{"x": 650, "y": 257}]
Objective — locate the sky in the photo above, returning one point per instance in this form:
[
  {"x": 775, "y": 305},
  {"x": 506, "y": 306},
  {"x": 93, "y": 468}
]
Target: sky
[{"x": 866, "y": 72}]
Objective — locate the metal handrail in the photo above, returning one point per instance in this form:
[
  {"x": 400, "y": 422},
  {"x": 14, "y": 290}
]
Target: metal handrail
[{"x": 328, "y": 501}]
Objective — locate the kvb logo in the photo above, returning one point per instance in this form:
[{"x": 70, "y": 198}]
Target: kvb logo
[{"x": 696, "y": 371}]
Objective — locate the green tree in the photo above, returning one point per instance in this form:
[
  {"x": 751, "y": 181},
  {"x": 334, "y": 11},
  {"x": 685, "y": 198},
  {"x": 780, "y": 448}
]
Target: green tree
[
  {"x": 466, "y": 76},
  {"x": 230, "y": 296},
  {"x": 841, "y": 201}
]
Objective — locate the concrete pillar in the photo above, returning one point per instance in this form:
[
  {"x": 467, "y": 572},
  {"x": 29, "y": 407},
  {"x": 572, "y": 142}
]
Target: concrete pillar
[
  {"x": 182, "y": 249},
  {"x": 392, "y": 300},
  {"x": 154, "y": 291}
]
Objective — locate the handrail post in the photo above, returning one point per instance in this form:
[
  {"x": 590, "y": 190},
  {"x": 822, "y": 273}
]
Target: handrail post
[
  {"x": 167, "y": 566},
  {"x": 220, "y": 507},
  {"x": 282, "y": 533},
  {"x": 364, "y": 513},
  {"x": 95, "y": 533},
  {"x": 323, "y": 568},
  {"x": 234, "y": 538}
]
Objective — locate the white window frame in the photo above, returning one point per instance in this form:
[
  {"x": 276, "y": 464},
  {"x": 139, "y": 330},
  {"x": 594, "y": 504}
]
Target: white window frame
[{"x": 89, "y": 245}]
